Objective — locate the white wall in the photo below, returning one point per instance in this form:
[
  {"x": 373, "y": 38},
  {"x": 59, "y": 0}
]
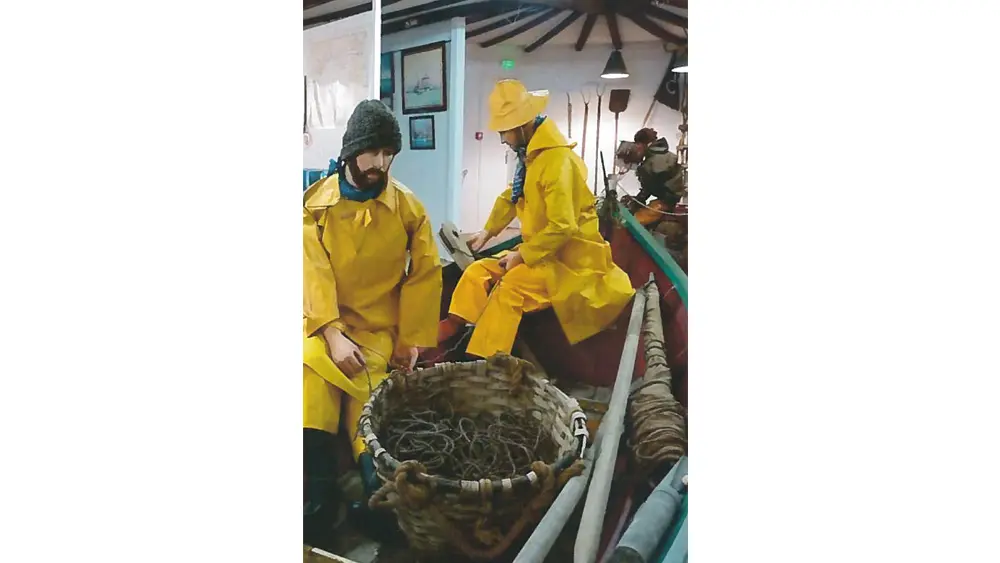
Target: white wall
[
  {"x": 433, "y": 175},
  {"x": 557, "y": 68},
  {"x": 326, "y": 143}
]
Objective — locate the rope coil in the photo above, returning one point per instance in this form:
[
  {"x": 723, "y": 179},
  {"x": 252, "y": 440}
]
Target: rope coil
[{"x": 658, "y": 436}]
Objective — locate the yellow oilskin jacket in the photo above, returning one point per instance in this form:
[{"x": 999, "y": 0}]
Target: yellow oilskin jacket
[
  {"x": 356, "y": 273},
  {"x": 559, "y": 227}
]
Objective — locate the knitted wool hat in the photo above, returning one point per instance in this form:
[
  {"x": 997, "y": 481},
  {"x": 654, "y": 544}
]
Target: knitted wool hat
[{"x": 371, "y": 126}]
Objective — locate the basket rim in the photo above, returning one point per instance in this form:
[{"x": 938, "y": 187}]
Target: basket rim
[{"x": 382, "y": 457}]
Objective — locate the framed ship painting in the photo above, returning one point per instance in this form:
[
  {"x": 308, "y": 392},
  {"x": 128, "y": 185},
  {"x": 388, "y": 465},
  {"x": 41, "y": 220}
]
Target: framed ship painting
[
  {"x": 422, "y": 133},
  {"x": 425, "y": 85}
]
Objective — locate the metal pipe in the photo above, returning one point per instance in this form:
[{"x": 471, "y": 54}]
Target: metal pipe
[
  {"x": 540, "y": 543},
  {"x": 653, "y": 518},
  {"x": 613, "y": 423},
  {"x": 677, "y": 552}
]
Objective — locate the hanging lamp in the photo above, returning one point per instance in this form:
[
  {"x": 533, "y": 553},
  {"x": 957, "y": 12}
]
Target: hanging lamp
[
  {"x": 615, "y": 67},
  {"x": 681, "y": 66}
]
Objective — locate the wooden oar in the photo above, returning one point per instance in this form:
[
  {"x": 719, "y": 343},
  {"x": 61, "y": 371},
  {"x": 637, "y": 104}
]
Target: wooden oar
[
  {"x": 540, "y": 542},
  {"x": 612, "y": 424}
]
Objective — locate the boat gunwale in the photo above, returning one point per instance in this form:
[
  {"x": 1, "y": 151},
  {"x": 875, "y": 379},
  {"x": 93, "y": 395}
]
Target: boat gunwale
[{"x": 656, "y": 251}]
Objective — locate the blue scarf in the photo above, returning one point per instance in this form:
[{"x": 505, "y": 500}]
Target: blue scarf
[
  {"x": 517, "y": 184},
  {"x": 347, "y": 191}
]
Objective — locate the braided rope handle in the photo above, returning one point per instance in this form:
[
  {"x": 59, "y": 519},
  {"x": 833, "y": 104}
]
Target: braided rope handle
[{"x": 413, "y": 492}]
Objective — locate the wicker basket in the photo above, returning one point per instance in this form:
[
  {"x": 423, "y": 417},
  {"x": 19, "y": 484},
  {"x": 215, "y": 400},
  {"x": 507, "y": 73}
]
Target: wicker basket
[{"x": 478, "y": 519}]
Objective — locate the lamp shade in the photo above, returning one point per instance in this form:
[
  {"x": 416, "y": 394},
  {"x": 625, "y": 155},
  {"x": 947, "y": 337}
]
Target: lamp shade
[
  {"x": 615, "y": 67},
  {"x": 680, "y": 65}
]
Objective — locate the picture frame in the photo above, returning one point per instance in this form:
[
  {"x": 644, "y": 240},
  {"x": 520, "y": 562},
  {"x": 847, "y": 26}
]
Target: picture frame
[
  {"x": 425, "y": 80},
  {"x": 422, "y": 133},
  {"x": 387, "y": 100},
  {"x": 387, "y": 82}
]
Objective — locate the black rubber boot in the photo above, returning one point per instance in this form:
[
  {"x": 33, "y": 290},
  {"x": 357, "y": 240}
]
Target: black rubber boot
[
  {"x": 380, "y": 525},
  {"x": 369, "y": 476},
  {"x": 321, "y": 499}
]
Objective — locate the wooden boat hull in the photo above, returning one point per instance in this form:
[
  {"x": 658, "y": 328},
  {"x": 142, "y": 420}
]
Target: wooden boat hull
[{"x": 593, "y": 363}]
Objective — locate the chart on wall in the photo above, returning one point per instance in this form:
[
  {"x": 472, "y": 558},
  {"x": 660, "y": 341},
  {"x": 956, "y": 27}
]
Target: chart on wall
[{"x": 337, "y": 64}]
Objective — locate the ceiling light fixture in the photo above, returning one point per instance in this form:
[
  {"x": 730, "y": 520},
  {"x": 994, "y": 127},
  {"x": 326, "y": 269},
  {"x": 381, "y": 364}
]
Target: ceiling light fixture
[
  {"x": 615, "y": 67},
  {"x": 681, "y": 65}
]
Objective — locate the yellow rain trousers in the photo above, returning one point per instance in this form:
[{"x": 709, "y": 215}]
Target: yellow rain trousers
[
  {"x": 356, "y": 279},
  {"x": 567, "y": 263}
]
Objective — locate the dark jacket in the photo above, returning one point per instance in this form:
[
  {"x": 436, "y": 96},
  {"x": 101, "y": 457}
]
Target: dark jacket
[{"x": 659, "y": 175}]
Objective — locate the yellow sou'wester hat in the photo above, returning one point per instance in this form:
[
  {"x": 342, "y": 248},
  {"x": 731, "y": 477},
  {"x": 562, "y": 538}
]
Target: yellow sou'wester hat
[{"x": 512, "y": 105}]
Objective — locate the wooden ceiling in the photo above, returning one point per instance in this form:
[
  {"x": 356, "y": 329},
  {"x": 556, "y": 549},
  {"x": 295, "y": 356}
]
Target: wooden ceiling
[{"x": 512, "y": 18}]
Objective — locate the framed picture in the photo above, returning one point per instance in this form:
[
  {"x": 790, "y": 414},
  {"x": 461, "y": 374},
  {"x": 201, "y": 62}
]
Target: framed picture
[
  {"x": 387, "y": 100},
  {"x": 422, "y": 133},
  {"x": 425, "y": 86},
  {"x": 387, "y": 84}
]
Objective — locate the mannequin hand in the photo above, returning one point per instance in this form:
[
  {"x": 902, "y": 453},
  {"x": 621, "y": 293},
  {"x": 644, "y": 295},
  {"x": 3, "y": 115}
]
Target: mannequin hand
[
  {"x": 478, "y": 240},
  {"x": 345, "y": 354},
  {"x": 510, "y": 260},
  {"x": 404, "y": 358}
]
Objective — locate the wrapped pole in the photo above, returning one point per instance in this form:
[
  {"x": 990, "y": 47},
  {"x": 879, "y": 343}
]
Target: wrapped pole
[
  {"x": 612, "y": 425},
  {"x": 653, "y": 518},
  {"x": 658, "y": 436}
]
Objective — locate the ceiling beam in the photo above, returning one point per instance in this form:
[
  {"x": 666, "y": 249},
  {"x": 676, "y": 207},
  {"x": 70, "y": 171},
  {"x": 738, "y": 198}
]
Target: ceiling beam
[
  {"x": 534, "y": 22},
  {"x": 474, "y": 12},
  {"x": 504, "y": 21},
  {"x": 572, "y": 17},
  {"x": 518, "y": 13},
  {"x": 616, "y": 37},
  {"x": 682, "y": 4},
  {"x": 666, "y": 16},
  {"x": 644, "y": 22},
  {"x": 588, "y": 7},
  {"x": 310, "y": 4},
  {"x": 588, "y": 25},
  {"x": 339, "y": 14},
  {"x": 426, "y": 7},
  {"x": 345, "y": 13}
]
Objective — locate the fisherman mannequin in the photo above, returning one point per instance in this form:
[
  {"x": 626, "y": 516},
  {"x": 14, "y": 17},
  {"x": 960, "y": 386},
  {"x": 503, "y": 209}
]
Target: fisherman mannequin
[
  {"x": 659, "y": 174},
  {"x": 563, "y": 263},
  {"x": 363, "y": 310}
]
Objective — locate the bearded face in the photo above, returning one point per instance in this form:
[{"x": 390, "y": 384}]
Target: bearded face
[{"x": 370, "y": 169}]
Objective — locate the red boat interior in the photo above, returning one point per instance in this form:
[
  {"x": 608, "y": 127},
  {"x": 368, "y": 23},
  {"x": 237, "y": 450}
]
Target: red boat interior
[{"x": 595, "y": 360}]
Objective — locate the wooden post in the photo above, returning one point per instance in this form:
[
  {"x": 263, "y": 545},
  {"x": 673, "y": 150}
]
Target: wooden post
[
  {"x": 589, "y": 536},
  {"x": 375, "y": 75}
]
